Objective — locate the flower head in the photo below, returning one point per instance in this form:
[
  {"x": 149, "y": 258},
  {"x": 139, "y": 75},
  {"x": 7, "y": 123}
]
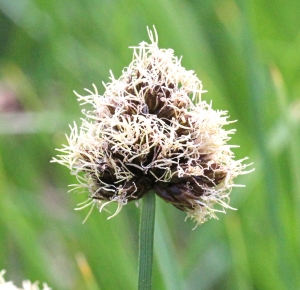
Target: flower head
[
  {"x": 26, "y": 285},
  {"x": 150, "y": 130}
]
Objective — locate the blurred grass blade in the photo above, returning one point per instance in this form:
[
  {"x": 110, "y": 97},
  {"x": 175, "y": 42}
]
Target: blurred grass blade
[{"x": 165, "y": 254}]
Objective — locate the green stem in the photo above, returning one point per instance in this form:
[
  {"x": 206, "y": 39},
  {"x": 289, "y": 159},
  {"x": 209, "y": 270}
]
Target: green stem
[{"x": 146, "y": 235}]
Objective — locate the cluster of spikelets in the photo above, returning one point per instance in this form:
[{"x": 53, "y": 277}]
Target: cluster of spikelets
[
  {"x": 26, "y": 285},
  {"x": 150, "y": 130}
]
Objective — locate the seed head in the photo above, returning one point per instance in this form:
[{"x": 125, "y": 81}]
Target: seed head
[
  {"x": 150, "y": 130},
  {"x": 26, "y": 285}
]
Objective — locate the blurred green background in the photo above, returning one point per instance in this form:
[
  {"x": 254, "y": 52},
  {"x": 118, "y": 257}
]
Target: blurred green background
[{"x": 247, "y": 53}]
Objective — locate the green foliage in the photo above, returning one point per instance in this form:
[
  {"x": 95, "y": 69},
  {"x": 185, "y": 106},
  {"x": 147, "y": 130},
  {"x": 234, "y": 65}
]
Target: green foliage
[{"x": 247, "y": 56}]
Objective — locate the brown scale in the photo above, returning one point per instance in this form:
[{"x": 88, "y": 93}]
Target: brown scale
[
  {"x": 132, "y": 190},
  {"x": 153, "y": 96},
  {"x": 178, "y": 195},
  {"x": 181, "y": 192}
]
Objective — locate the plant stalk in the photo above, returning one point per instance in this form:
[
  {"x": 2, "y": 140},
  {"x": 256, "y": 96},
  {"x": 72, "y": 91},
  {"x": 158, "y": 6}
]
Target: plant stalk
[{"x": 146, "y": 237}]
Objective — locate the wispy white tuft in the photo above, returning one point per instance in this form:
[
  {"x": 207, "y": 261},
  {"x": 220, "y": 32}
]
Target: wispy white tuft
[{"x": 26, "y": 285}]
